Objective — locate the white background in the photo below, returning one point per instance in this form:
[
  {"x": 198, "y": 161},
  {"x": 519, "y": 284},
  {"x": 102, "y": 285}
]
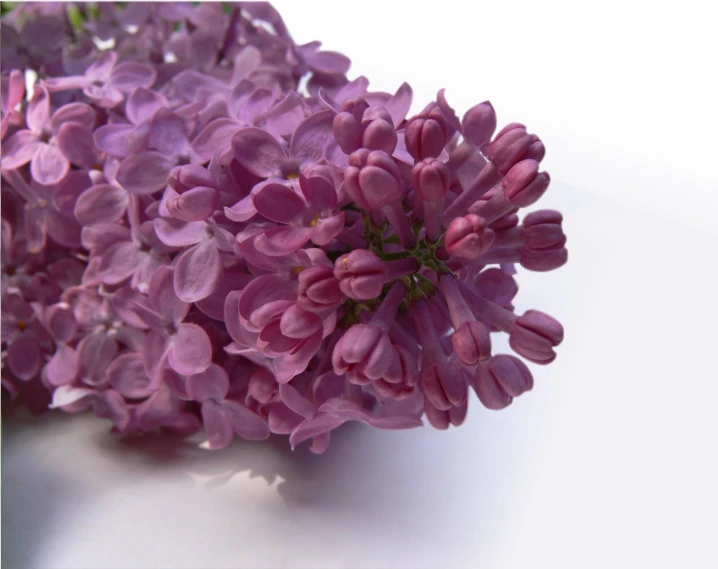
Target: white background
[{"x": 609, "y": 462}]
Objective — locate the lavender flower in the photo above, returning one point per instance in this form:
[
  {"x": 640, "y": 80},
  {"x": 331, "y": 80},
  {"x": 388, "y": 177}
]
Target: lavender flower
[{"x": 192, "y": 240}]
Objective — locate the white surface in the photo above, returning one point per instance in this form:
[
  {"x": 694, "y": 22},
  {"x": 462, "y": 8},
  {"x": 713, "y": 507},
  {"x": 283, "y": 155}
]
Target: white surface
[{"x": 609, "y": 462}]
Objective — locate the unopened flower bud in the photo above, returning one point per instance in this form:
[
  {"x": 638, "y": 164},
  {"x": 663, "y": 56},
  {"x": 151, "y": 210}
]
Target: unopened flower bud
[
  {"x": 378, "y": 130},
  {"x": 534, "y": 336},
  {"x": 445, "y": 385},
  {"x": 364, "y": 353},
  {"x": 509, "y": 147},
  {"x": 501, "y": 379},
  {"x": 542, "y": 230},
  {"x": 471, "y": 342},
  {"x": 361, "y": 274},
  {"x": 183, "y": 178},
  {"x": 468, "y": 236},
  {"x": 524, "y": 184},
  {"x": 196, "y": 204},
  {"x": 372, "y": 179},
  {"x": 431, "y": 179},
  {"x": 318, "y": 289}
]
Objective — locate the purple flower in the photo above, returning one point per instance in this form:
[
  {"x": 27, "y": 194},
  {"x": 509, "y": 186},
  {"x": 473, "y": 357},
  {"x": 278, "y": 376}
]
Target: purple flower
[
  {"x": 106, "y": 82},
  {"x": 53, "y": 141}
]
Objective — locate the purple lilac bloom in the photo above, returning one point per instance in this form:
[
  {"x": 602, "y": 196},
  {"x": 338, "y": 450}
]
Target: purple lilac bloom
[{"x": 210, "y": 226}]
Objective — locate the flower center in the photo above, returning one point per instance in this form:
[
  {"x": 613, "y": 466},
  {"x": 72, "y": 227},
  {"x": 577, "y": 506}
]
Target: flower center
[
  {"x": 314, "y": 221},
  {"x": 21, "y": 326}
]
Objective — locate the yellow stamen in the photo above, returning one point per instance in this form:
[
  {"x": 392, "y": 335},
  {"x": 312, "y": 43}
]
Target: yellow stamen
[
  {"x": 314, "y": 221},
  {"x": 21, "y": 326}
]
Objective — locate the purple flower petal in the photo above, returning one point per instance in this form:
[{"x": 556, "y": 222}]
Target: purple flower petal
[
  {"x": 216, "y": 425},
  {"x": 296, "y": 401},
  {"x": 128, "y": 376},
  {"x": 63, "y": 367},
  {"x": 258, "y": 151},
  {"x": 311, "y": 135},
  {"x": 314, "y": 427},
  {"x": 145, "y": 173},
  {"x": 76, "y": 143},
  {"x": 19, "y": 148},
  {"x": 279, "y": 203},
  {"x": 215, "y": 138},
  {"x": 176, "y": 233},
  {"x": 196, "y": 204},
  {"x": 106, "y": 97},
  {"x": 168, "y": 134},
  {"x": 329, "y": 62},
  {"x": 213, "y": 383},
  {"x": 49, "y": 166},
  {"x": 282, "y": 240},
  {"x": 191, "y": 350},
  {"x": 319, "y": 193},
  {"x": 247, "y": 424},
  {"x": 118, "y": 262},
  {"x": 162, "y": 295},
  {"x": 197, "y": 272},
  {"x": 243, "y": 210},
  {"x": 60, "y": 322},
  {"x": 142, "y": 104},
  {"x": 122, "y": 140},
  {"x": 399, "y": 104},
  {"x": 103, "y": 203},
  {"x": 95, "y": 353},
  {"x": 101, "y": 68},
  {"x": 38, "y": 110},
  {"x": 66, "y": 395},
  {"x": 73, "y": 112},
  {"x": 24, "y": 357},
  {"x": 324, "y": 232},
  {"x": 128, "y": 76}
]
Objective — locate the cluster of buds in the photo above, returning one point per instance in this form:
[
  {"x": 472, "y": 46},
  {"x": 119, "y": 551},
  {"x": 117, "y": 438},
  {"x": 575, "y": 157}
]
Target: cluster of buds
[{"x": 209, "y": 226}]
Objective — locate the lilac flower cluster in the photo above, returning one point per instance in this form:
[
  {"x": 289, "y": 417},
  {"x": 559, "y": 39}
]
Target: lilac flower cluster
[{"x": 208, "y": 225}]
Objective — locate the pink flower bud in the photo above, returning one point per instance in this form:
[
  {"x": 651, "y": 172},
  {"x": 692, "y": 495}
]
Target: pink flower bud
[
  {"x": 534, "y": 336},
  {"x": 347, "y": 132},
  {"x": 318, "y": 289},
  {"x": 364, "y": 353},
  {"x": 542, "y": 230},
  {"x": 479, "y": 123},
  {"x": 372, "y": 179},
  {"x": 431, "y": 179},
  {"x": 196, "y": 204},
  {"x": 378, "y": 130},
  {"x": 501, "y": 379},
  {"x": 524, "y": 184},
  {"x": 263, "y": 385},
  {"x": 189, "y": 176},
  {"x": 543, "y": 260},
  {"x": 445, "y": 385},
  {"x": 442, "y": 419},
  {"x": 361, "y": 274},
  {"x": 510, "y": 146},
  {"x": 424, "y": 138},
  {"x": 468, "y": 237},
  {"x": 472, "y": 343}
]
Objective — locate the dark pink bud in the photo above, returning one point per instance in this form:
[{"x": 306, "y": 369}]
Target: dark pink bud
[
  {"x": 479, "y": 123},
  {"x": 361, "y": 274},
  {"x": 510, "y": 146},
  {"x": 347, "y": 132},
  {"x": 183, "y": 178},
  {"x": 196, "y": 204},
  {"x": 378, "y": 130},
  {"x": 431, "y": 179},
  {"x": 524, "y": 184},
  {"x": 501, "y": 379},
  {"x": 468, "y": 237},
  {"x": 424, "y": 137},
  {"x": 537, "y": 150},
  {"x": 442, "y": 419},
  {"x": 472, "y": 343},
  {"x": 534, "y": 336},
  {"x": 318, "y": 289},
  {"x": 543, "y": 260},
  {"x": 364, "y": 353},
  {"x": 445, "y": 385},
  {"x": 542, "y": 230},
  {"x": 372, "y": 179}
]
